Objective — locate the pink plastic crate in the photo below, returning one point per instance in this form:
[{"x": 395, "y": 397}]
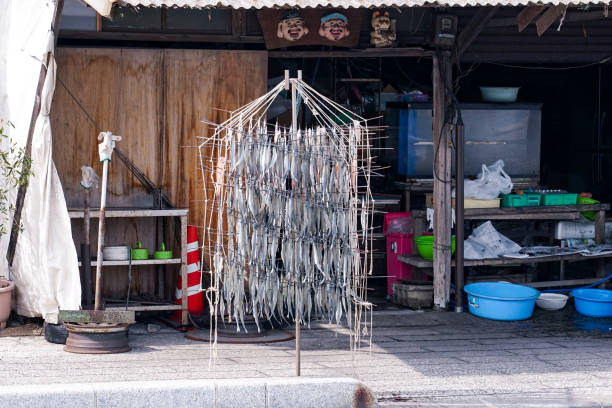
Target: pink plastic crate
[{"x": 398, "y": 244}]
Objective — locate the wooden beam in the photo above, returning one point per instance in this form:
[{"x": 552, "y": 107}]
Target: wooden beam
[
  {"x": 573, "y": 17},
  {"x": 478, "y": 22},
  {"x": 103, "y": 7},
  {"x": 366, "y": 53},
  {"x": 549, "y": 17},
  {"x": 442, "y": 82},
  {"x": 159, "y": 37},
  {"x": 526, "y": 16},
  {"x": 561, "y": 283},
  {"x": 418, "y": 262}
]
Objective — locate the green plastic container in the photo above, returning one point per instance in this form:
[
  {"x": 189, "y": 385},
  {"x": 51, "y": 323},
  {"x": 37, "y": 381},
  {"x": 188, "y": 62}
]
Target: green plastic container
[
  {"x": 587, "y": 201},
  {"x": 520, "y": 200},
  {"x": 425, "y": 246},
  {"x": 140, "y": 253},
  {"x": 162, "y": 254},
  {"x": 559, "y": 199}
]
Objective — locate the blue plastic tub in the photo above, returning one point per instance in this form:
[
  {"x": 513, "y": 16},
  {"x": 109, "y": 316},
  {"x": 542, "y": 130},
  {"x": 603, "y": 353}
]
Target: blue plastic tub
[
  {"x": 501, "y": 301},
  {"x": 593, "y": 302}
]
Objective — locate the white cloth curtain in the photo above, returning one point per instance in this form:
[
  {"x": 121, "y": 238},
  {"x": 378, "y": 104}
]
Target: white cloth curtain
[{"x": 45, "y": 268}]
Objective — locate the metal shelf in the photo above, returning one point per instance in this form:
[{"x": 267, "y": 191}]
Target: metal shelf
[
  {"x": 137, "y": 262},
  {"x": 151, "y": 308},
  {"x": 418, "y": 262},
  {"x": 129, "y": 213},
  {"x": 553, "y": 212},
  {"x": 181, "y": 213}
]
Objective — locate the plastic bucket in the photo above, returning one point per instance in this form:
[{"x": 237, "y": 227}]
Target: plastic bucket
[
  {"x": 499, "y": 93},
  {"x": 593, "y": 302},
  {"x": 501, "y": 301},
  {"x": 588, "y": 201}
]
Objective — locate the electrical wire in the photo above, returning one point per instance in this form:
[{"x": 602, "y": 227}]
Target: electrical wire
[
  {"x": 75, "y": 100},
  {"x": 452, "y": 115},
  {"x": 592, "y": 64}
]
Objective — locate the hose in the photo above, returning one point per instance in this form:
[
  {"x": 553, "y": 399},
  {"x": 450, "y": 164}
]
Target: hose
[{"x": 599, "y": 282}]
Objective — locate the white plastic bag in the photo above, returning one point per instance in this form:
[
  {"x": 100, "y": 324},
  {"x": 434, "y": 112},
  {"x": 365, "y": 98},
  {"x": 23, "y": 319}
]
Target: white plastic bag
[
  {"x": 491, "y": 182},
  {"x": 473, "y": 249},
  {"x": 89, "y": 178},
  {"x": 487, "y": 242}
]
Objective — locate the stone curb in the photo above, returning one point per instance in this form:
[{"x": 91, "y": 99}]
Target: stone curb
[{"x": 305, "y": 392}]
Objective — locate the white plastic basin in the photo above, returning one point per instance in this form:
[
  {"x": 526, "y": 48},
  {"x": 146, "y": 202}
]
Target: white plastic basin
[{"x": 551, "y": 301}]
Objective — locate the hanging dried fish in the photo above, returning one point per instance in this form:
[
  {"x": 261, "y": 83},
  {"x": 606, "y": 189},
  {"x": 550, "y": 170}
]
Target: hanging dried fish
[{"x": 287, "y": 221}]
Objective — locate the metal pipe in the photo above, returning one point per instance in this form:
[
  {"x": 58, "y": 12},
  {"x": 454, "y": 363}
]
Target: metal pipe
[
  {"x": 298, "y": 357},
  {"x": 86, "y": 217},
  {"x": 459, "y": 273},
  {"x": 86, "y": 253},
  {"x": 298, "y": 318},
  {"x": 99, "y": 256}
]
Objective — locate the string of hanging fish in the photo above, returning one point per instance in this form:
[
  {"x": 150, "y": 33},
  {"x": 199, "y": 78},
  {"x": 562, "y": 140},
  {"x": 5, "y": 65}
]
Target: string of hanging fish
[{"x": 287, "y": 215}]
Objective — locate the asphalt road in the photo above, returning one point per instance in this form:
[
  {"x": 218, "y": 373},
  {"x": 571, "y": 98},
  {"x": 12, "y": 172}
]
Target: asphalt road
[{"x": 416, "y": 359}]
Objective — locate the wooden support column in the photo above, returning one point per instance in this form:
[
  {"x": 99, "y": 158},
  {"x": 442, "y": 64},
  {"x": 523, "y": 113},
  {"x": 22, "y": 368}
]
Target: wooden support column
[
  {"x": 600, "y": 236},
  {"x": 442, "y": 74}
]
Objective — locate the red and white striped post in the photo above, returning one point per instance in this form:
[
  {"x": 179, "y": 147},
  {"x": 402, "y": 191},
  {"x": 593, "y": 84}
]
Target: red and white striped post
[{"x": 195, "y": 299}]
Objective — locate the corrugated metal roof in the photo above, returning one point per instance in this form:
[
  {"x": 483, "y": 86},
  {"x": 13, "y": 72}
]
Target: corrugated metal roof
[{"x": 258, "y": 4}]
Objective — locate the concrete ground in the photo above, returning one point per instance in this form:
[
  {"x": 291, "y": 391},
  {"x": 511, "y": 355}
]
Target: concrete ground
[{"x": 417, "y": 359}]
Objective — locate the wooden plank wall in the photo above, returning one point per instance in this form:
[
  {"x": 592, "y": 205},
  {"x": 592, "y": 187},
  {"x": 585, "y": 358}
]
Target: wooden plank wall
[{"x": 155, "y": 99}]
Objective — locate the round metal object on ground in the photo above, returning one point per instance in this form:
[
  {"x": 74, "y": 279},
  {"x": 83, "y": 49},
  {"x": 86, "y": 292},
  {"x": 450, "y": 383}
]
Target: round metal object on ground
[
  {"x": 268, "y": 336},
  {"x": 97, "y": 338},
  {"x": 251, "y": 330}
]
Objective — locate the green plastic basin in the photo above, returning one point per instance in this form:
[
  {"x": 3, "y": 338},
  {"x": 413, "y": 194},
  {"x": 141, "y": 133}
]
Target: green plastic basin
[
  {"x": 587, "y": 201},
  {"x": 425, "y": 246}
]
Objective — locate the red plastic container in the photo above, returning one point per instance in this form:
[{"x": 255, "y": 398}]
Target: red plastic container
[{"x": 398, "y": 244}]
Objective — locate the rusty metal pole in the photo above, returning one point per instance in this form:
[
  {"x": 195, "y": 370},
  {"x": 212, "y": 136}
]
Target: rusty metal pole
[
  {"x": 459, "y": 271},
  {"x": 298, "y": 318},
  {"x": 86, "y": 253}
]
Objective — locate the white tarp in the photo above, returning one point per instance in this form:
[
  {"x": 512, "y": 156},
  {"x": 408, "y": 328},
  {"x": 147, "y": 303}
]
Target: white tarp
[{"x": 45, "y": 268}]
